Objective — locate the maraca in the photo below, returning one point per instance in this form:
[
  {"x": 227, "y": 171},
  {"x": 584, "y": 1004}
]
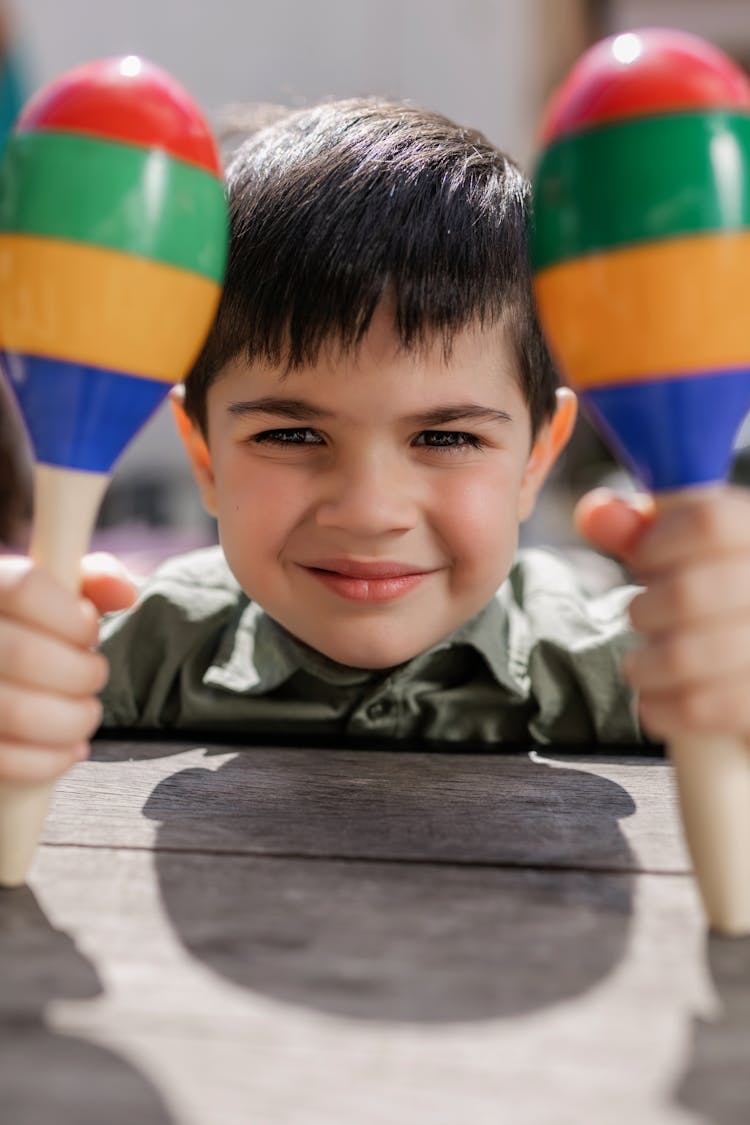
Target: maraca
[
  {"x": 641, "y": 252},
  {"x": 113, "y": 236}
]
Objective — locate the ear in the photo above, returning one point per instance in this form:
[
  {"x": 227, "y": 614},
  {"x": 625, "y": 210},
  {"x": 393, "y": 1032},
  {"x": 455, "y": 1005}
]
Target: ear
[
  {"x": 197, "y": 449},
  {"x": 548, "y": 445}
]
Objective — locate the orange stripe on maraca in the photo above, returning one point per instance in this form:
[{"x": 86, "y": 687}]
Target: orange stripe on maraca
[
  {"x": 98, "y": 307},
  {"x": 637, "y": 313}
]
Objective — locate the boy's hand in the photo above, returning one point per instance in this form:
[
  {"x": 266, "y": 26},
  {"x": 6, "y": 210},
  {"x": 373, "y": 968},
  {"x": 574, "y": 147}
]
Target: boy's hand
[
  {"x": 49, "y": 675},
  {"x": 692, "y": 671},
  {"x": 106, "y": 582}
]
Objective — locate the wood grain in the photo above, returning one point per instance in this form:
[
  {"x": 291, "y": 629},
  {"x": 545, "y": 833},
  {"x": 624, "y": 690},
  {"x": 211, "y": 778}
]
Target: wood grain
[
  {"x": 312, "y": 990},
  {"x": 224, "y": 936},
  {"x": 580, "y": 812}
]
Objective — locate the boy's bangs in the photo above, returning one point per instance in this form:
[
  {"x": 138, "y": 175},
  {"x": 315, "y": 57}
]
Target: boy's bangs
[
  {"x": 350, "y": 206},
  {"x": 333, "y": 209}
]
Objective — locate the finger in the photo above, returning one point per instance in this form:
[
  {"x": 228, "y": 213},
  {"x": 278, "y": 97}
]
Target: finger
[
  {"x": 31, "y": 716},
  {"x": 693, "y": 593},
  {"x": 107, "y": 583},
  {"x": 713, "y": 707},
  {"x": 38, "y": 660},
  {"x": 676, "y": 660},
  {"x": 717, "y": 521},
  {"x": 35, "y": 765},
  {"x": 30, "y": 595},
  {"x": 611, "y": 523}
]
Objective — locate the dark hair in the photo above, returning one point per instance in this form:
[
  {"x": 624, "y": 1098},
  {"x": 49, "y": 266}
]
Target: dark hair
[{"x": 331, "y": 207}]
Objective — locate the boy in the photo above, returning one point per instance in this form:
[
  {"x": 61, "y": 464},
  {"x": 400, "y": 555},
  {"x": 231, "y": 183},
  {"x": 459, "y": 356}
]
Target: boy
[{"x": 370, "y": 420}]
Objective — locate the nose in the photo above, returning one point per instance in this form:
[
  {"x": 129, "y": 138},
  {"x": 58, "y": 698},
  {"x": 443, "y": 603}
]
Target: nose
[{"x": 369, "y": 494}]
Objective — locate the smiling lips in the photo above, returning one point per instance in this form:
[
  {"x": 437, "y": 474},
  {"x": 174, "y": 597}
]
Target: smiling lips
[{"x": 367, "y": 581}]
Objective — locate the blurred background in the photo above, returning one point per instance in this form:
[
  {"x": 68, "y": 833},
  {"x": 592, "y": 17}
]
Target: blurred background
[{"x": 486, "y": 63}]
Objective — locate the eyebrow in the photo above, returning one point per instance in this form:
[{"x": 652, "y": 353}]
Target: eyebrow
[
  {"x": 298, "y": 410},
  {"x": 295, "y": 408},
  {"x": 459, "y": 412}
]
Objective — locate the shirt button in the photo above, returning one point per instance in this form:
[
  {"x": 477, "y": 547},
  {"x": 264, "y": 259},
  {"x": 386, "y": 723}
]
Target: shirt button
[{"x": 380, "y": 708}]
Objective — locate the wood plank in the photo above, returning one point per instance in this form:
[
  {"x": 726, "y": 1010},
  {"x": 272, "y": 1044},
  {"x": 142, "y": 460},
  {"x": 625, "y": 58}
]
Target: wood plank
[
  {"x": 583, "y": 812},
  {"x": 213, "y": 964},
  {"x": 237, "y": 989}
]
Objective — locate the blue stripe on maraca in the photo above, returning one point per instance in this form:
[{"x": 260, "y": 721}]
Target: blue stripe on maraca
[
  {"x": 79, "y": 417},
  {"x": 676, "y": 432}
]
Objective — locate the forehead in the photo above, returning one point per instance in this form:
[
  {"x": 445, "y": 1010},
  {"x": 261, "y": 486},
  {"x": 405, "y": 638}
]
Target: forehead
[{"x": 478, "y": 359}]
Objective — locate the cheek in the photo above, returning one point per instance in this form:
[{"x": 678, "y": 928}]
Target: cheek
[
  {"x": 256, "y": 503},
  {"x": 478, "y": 517}
]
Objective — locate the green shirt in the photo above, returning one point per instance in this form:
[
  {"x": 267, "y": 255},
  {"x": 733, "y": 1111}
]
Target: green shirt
[{"x": 540, "y": 662}]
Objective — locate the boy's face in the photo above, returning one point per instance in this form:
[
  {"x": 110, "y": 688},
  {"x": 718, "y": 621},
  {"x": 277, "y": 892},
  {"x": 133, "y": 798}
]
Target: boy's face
[{"x": 371, "y": 504}]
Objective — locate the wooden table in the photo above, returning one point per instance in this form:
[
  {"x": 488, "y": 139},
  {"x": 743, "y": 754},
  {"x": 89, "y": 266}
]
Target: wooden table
[{"x": 217, "y": 935}]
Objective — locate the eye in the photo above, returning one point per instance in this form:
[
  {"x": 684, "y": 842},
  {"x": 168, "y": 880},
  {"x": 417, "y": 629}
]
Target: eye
[
  {"x": 297, "y": 436},
  {"x": 449, "y": 440}
]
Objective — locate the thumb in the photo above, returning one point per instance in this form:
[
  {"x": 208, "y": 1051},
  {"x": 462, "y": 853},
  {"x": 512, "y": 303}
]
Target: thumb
[
  {"x": 611, "y": 523},
  {"x": 106, "y": 582}
]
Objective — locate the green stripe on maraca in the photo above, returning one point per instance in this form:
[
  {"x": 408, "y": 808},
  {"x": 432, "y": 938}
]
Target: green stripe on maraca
[
  {"x": 640, "y": 180},
  {"x": 123, "y": 197},
  {"x": 103, "y": 308}
]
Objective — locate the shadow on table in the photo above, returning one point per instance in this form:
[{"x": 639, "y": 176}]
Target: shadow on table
[
  {"x": 379, "y": 939},
  {"x": 48, "y": 1077},
  {"x": 717, "y": 1083}
]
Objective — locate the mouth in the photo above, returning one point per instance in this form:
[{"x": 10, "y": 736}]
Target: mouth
[{"x": 361, "y": 581}]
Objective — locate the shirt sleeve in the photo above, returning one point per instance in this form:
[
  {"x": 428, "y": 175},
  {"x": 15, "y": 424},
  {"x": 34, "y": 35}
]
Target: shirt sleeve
[
  {"x": 165, "y": 642},
  {"x": 575, "y": 646}
]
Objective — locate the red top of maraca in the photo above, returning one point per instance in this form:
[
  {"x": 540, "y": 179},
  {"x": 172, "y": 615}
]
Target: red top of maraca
[
  {"x": 637, "y": 73},
  {"x": 125, "y": 99}
]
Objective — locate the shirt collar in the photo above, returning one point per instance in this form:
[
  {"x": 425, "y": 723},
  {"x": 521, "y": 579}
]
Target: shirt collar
[
  {"x": 499, "y": 634},
  {"x": 255, "y": 655}
]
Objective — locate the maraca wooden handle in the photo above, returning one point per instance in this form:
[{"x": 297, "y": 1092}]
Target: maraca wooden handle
[
  {"x": 713, "y": 782},
  {"x": 65, "y": 506},
  {"x": 22, "y": 812},
  {"x": 66, "y": 503}
]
